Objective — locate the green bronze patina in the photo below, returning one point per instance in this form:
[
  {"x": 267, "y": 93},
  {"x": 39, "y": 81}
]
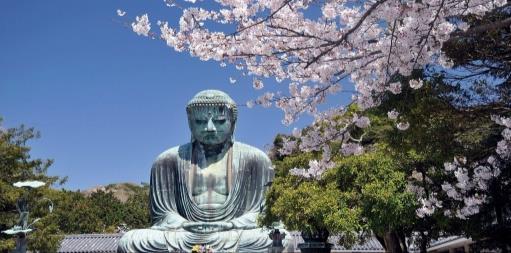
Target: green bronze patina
[
  {"x": 208, "y": 191},
  {"x": 22, "y": 229}
]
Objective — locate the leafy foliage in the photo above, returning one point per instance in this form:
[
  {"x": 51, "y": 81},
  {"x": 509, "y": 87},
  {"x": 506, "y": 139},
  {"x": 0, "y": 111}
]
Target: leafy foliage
[
  {"x": 398, "y": 171},
  {"x": 101, "y": 212},
  {"x": 482, "y": 55},
  {"x": 360, "y": 194},
  {"x": 17, "y": 165},
  {"x": 73, "y": 212}
]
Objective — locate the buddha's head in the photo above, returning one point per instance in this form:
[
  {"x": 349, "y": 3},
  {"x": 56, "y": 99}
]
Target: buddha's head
[{"x": 212, "y": 117}]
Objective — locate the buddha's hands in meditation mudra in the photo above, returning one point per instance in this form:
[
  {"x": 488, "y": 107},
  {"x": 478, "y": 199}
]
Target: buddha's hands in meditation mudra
[
  {"x": 201, "y": 227},
  {"x": 208, "y": 227}
]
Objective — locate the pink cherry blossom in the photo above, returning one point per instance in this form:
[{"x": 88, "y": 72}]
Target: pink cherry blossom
[
  {"x": 120, "y": 13},
  {"x": 395, "y": 88},
  {"x": 365, "y": 42},
  {"x": 258, "y": 84},
  {"x": 362, "y": 122},
  {"x": 471, "y": 189},
  {"x": 403, "y": 126},
  {"x": 393, "y": 114},
  {"x": 416, "y": 84},
  {"x": 142, "y": 26}
]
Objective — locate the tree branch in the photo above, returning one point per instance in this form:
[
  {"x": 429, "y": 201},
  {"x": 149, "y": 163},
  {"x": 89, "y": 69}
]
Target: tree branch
[{"x": 348, "y": 33}]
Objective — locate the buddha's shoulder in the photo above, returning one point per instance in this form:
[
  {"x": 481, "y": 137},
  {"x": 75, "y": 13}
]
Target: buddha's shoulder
[
  {"x": 250, "y": 151},
  {"x": 173, "y": 153}
]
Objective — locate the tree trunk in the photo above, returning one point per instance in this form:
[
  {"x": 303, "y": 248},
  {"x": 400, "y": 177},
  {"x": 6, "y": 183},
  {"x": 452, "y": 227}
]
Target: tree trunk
[
  {"x": 392, "y": 242},
  {"x": 423, "y": 243},
  {"x": 503, "y": 238},
  {"x": 402, "y": 240},
  {"x": 381, "y": 240}
]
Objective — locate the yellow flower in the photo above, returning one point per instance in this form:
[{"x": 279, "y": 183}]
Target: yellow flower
[{"x": 196, "y": 249}]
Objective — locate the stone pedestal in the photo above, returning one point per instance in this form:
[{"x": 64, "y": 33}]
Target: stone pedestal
[
  {"x": 21, "y": 244},
  {"x": 315, "y": 242},
  {"x": 276, "y": 236},
  {"x": 315, "y": 247}
]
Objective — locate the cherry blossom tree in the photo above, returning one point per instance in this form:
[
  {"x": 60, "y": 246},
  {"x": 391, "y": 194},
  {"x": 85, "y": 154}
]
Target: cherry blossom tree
[{"x": 476, "y": 189}]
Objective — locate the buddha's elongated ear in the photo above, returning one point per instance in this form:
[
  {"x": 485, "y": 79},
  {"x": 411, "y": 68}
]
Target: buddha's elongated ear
[
  {"x": 233, "y": 127},
  {"x": 189, "y": 115}
]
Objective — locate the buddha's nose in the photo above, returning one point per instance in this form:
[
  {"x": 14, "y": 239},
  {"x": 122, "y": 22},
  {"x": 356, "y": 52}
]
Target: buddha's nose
[{"x": 211, "y": 126}]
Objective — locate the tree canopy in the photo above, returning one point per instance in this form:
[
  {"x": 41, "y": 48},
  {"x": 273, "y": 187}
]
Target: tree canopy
[
  {"x": 73, "y": 212},
  {"x": 17, "y": 165}
]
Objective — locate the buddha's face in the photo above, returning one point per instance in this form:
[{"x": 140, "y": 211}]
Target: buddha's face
[{"x": 211, "y": 125}]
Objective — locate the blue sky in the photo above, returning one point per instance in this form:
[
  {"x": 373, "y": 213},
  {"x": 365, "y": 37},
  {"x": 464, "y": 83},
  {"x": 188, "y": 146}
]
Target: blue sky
[{"x": 105, "y": 100}]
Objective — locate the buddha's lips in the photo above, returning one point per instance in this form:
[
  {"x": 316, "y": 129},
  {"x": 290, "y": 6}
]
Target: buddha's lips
[{"x": 215, "y": 134}]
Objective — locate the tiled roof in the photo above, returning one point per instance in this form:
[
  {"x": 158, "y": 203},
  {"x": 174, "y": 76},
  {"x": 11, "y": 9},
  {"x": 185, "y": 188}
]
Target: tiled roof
[
  {"x": 371, "y": 245},
  {"x": 90, "y": 243},
  {"x": 107, "y": 243},
  {"x": 443, "y": 240}
]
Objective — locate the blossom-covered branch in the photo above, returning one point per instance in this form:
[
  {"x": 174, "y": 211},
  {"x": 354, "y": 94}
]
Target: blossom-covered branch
[
  {"x": 350, "y": 37},
  {"x": 368, "y": 42}
]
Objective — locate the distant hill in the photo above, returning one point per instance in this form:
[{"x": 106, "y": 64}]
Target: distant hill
[{"x": 121, "y": 191}]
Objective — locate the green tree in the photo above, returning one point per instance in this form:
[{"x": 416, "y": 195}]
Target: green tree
[
  {"x": 434, "y": 137},
  {"x": 311, "y": 205},
  {"x": 102, "y": 211},
  {"x": 74, "y": 213},
  {"x": 16, "y": 165},
  {"x": 137, "y": 208},
  {"x": 448, "y": 122},
  {"x": 482, "y": 57},
  {"x": 360, "y": 194},
  {"x": 380, "y": 182},
  {"x": 108, "y": 209}
]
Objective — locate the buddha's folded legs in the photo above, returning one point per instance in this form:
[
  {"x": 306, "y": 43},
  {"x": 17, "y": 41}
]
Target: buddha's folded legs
[
  {"x": 143, "y": 240},
  {"x": 150, "y": 240}
]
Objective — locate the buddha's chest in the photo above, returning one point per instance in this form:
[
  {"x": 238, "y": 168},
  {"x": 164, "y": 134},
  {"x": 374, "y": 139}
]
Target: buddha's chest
[{"x": 209, "y": 184}]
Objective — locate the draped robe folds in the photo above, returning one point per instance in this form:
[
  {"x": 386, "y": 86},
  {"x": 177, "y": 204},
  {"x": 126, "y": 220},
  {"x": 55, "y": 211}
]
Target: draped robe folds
[{"x": 172, "y": 205}]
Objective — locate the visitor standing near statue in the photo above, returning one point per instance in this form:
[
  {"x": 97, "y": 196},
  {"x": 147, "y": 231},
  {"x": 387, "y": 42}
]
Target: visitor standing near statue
[{"x": 208, "y": 191}]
